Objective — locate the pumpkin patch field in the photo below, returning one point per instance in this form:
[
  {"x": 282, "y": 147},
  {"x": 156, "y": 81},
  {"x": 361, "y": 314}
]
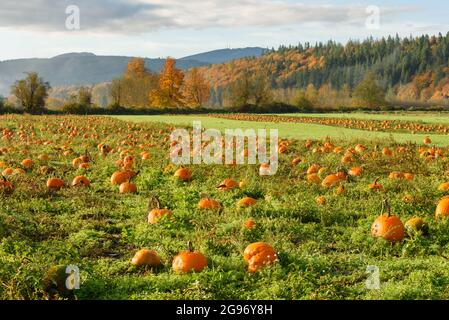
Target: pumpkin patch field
[{"x": 100, "y": 195}]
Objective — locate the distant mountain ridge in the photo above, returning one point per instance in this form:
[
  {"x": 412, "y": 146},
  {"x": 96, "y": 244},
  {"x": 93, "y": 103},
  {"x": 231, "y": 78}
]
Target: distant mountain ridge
[
  {"x": 224, "y": 55},
  {"x": 85, "y": 68},
  {"x": 75, "y": 69}
]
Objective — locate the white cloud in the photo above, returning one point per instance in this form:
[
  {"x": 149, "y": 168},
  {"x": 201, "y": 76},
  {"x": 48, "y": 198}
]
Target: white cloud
[{"x": 141, "y": 16}]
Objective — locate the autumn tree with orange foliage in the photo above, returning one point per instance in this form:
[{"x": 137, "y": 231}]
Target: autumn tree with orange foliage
[
  {"x": 132, "y": 89},
  {"x": 135, "y": 68},
  {"x": 196, "y": 89},
  {"x": 169, "y": 91}
]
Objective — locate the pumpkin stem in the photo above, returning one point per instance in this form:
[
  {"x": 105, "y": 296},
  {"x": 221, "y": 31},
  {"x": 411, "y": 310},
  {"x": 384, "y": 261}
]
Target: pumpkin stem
[
  {"x": 386, "y": 205},
  {"x": 190, "y": 246},
  {"x": 375, "y": 181},
  {"x": 154, "y": 203},
  {"x": 130, "y": 178}
]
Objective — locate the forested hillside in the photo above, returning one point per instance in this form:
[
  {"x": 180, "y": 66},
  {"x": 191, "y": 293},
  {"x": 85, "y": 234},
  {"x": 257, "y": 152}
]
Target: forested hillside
[{"x": 407, "y": 69}]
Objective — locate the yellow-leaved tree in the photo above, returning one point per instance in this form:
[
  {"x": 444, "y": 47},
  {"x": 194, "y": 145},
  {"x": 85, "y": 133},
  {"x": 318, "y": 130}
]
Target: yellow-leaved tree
[
  {"x": 132, "y": 89},
  {"x": 168, "y": 94},
  {"x": 196, "y": 89},
  {"x": 135, "y": 68}
]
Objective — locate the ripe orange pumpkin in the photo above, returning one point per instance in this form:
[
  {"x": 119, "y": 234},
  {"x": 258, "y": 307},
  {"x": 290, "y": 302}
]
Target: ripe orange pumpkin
[
  {"x": 342, "y": 174},
  {"x": 360, "y": 148},
  {"x": 396, "y": 175},
  {"x": 442, "y": 209},
  {"x": 6, "y": 186},
  {"x": 43, "y": 157},
  {"x": 258, "y": 255},
  {"x": 338, "y": 150},
  {"x": 409, "y": 176},
  {"x": 146, "y": 156},
  {"x": 313, "y": 169},
  {"x": 249, "y": 224},
  {"x": 183, "y": 174},
  {"x": 246, "y": 202},
  {"x": 104, "y": 149},
  {"x": 128, "y": 162},
  {"x": 283, "y": 149},
  {"x": 155, "y": 214},
  {"x": 119, "y": 163},
  {"x": 313, "y": 178},
  {"x": 84, "y": 165},
  {"x": 146, "y": 257},
  {"x": 330, "y": 181},
  {"x": 190, "y": 260},
  {"x": 76, "y": 162},
  {"x": 209, "y": 204},
  {"x": 128, "y": 187},
  {"x": 296, "y": 161},
  {"x": 27, "y": 163},
  {"x": 387, "y": 152},
  {"x": 55, "y": 183},
  {"x": 309, "y": 143},
  {"x": 355, "y": 171},
  {"x": 347, "y": 159},
  {"x": 264, "y": 169},
  {"x": 389, "y": 227},
  {"x": 80, "y": 181},
  {"x": 120, "y": 177},
  {"x": 376, "y": 186},
  {"x": 444, "y": 186},
  {"x": 84, "y": 158},
  {"x": 7, "y": 171},
  {"x": 340, "y": 189},
  {"x": 321, "y": 200},
  {"x": 227, "y": 184},
  {"x": 328, "y": 147}
]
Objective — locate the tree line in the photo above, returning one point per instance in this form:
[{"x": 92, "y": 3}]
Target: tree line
[
  {"x": 138, "y": 89},
  {"x": 372, "y": 74},
  {"x": 172, "y": 88}
]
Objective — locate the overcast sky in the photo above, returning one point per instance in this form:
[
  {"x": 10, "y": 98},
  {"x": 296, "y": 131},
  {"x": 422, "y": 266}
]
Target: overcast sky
[{"x": 160, "y": 28}]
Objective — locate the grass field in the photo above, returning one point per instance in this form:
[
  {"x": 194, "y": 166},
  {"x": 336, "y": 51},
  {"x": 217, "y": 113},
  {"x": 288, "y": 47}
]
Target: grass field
[
  {"x": 302, "y": 130},
  {"x": 323, "y": 247},
  {"x": 425, "y": 117}
]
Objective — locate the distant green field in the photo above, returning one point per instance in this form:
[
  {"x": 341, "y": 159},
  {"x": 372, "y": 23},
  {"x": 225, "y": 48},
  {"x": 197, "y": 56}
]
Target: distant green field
[
  {"x": 304, "y": 130},
  {"x": 427, "y": 117}
]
